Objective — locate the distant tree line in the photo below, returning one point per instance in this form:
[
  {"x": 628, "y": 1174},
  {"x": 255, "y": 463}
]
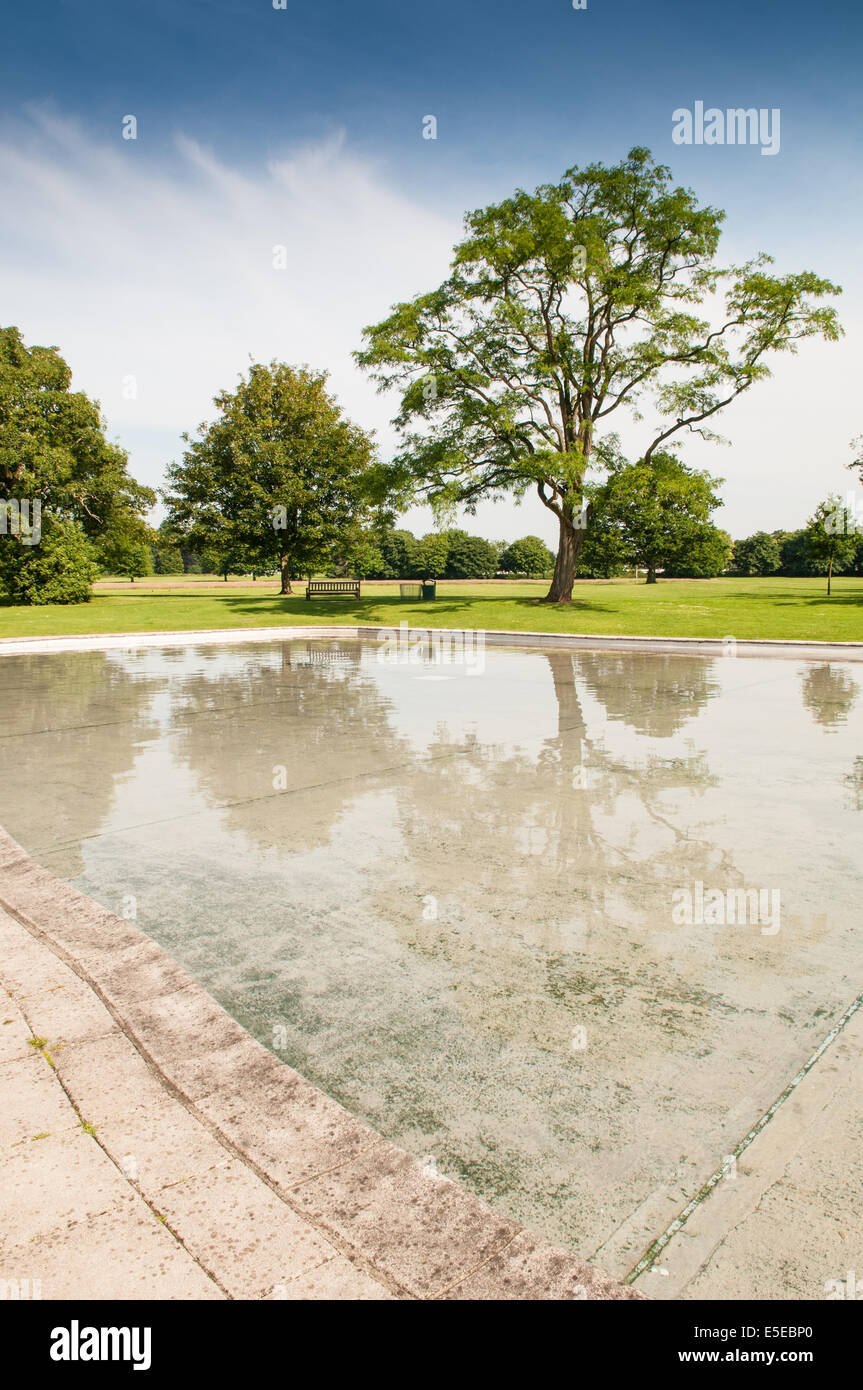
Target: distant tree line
[
  {"x": 280, "y": 482},
  {"x": 793, "y": 553}
]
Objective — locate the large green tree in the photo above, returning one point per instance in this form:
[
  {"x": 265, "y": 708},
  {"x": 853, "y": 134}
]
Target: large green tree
[
  {"x": 596, "y": 295},
  {"x": 53, "y": 452},
  {"x": 278, "y": 476}
]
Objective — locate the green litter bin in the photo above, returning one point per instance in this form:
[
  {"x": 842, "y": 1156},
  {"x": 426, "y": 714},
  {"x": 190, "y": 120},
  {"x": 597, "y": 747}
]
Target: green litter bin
[{"x": 429, "y": 588}]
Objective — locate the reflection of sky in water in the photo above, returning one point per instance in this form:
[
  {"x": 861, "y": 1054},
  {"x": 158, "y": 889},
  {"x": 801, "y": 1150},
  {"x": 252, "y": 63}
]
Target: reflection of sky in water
[{"x": 461, "y": 872}]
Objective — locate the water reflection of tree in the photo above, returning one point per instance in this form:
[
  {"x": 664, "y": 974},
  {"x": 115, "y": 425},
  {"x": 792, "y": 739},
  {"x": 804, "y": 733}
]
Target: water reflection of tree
[
  {"x": 655, "y": 693},
  {"x": 537, "y": 861},
  {"x": 71, "y": 723},
  {"x": 284, "y": 745},
  {"x": 829, "y": 692}
]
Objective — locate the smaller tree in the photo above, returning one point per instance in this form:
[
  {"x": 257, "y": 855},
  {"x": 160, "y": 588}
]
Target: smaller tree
[
  {"x": 529, "y": 556},
  {"x": 795, "y": 558},
  {"x": 126, "y": 550},
  {"x": 356, "y": 553},
  {"x": 399, "y": 551},
  {"x": 167, "y": 559},
  {"x": 758, "y": 554},
  {"x": 432, "y": 553},
  {"x": 661, "y": 509},
  {"x": 832, "y": 537},
  {"x": 605, "y": 551},
  {"x": 470, "y": 557},
  {"x": 707, "y": 555},
  {"x": 59, "y": 569}
]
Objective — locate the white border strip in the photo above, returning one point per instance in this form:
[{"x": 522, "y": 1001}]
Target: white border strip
[{"x": 699, "y": 646}]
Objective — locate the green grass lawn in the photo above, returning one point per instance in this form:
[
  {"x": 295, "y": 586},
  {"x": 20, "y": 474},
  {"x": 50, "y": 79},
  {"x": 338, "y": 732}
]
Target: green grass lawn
[{"x": 775, "y": 608}]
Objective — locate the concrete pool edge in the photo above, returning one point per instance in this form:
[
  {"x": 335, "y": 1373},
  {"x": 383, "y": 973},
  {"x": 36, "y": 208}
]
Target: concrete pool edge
[
  {"x": 415, "y": 1234},
  {"x": 729, "y": 646}
]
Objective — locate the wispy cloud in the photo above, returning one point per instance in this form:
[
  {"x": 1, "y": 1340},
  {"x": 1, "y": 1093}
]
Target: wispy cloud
[{"x": 165, "y": 272}]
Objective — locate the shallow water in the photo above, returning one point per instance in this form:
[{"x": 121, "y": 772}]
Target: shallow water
[{"x": 447, "y": 895}]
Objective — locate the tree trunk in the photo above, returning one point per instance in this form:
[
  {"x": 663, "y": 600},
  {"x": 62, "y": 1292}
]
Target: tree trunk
[
  {"x": 568, "y": 551},
  {"x": 286, "y": 575},
  {"x": 651, "y": 574}
]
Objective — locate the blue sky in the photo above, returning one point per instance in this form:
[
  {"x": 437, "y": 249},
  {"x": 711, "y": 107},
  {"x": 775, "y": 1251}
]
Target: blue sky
[{"x": 149, "y": 259}]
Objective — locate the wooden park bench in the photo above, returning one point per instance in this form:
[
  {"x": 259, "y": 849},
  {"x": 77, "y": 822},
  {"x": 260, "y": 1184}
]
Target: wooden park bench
[{"x": 332, "y": 588}]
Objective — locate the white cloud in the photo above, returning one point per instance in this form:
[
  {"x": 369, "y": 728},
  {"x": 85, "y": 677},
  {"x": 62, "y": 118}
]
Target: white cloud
[{"x": 160, "y": 266}]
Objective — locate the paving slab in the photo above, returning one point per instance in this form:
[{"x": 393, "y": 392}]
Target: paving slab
[
  {"x": 33, "y": 1103},
  {"x": 115, "y": 1255},
  {"x": 234, "y": 1223}
]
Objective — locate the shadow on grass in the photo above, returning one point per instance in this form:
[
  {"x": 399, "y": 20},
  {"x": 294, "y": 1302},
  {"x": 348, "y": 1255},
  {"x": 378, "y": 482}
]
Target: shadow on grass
[
  {"x": 799, "y": 600},
  {"x": 296, "y": 605}
]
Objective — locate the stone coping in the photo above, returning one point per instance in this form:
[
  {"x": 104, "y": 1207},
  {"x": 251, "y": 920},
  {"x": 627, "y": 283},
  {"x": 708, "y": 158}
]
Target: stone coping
[
  {"x": 694, "y": 646},
  {"x": 416, "y": 1234}
]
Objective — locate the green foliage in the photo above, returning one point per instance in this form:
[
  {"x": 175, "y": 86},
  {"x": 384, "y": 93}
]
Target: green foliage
[
  {"x": 356, "y": 554},
  {"x": 167, "y": 559},
  {"x": 278, "y": 478},
  {"x": 756, "y": 554},
  {"x": 529, "y": 556},
  {"x": 795, "y": 559},
  {"x": 399, "y": 552},
  {"x": 60, "y": 569},
  {"x": 605, "y": 552},
  {"x": 126, "y": 551},
  {"x": 832, "y": 538},
  {"x": 562, "y": 307},
  {"x": 53, "y": 450},
  {"x": 431, "y": 556},
  {"x": 660, "y": 512},
  {"x": 470, "y": 557},
  {"x": 706, "y": 556}
]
